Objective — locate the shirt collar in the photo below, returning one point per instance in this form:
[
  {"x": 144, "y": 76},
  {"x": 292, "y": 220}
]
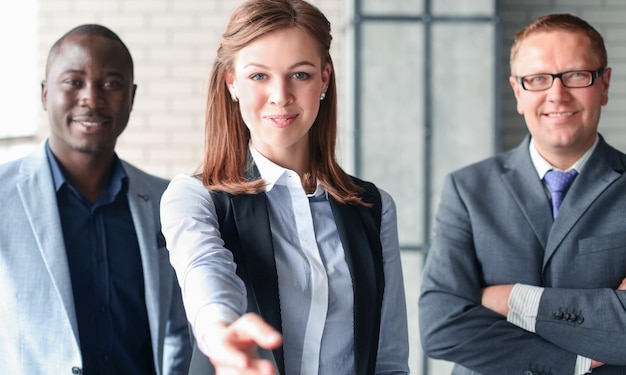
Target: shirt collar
[
  {"x": 542, "y": 166},
  {"x": 118, "y": 179},
  {"x": 273, "y": 174}
]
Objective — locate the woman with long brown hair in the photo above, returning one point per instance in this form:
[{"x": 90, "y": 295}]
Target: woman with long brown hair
[{"x": 287, "y": 264}]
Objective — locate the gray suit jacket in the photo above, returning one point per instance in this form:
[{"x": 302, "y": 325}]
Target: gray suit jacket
[
  {"x": 39, "y": 328},
  {"x": 494, "y": 226}
]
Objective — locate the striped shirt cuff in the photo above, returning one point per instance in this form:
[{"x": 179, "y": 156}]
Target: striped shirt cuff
[
  {"x": 523, "y": 308},
  {"x": 583, "y": 366},
  {"x": 524, "y": 305}
]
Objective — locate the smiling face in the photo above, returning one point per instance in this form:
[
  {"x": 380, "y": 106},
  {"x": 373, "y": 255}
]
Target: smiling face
[
  {"x": 562, "y": 121},
  {"x": 88, "y": 94},
  {"x": 278, "y": 80}
]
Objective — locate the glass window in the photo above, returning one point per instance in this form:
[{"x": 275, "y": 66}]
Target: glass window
[
  {"x": 402, "y": 7},
  {"x": 19, "y": 98}
]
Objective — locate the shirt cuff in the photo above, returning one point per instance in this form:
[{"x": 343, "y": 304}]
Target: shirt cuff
[
  {"x": 583, "y": 366},
  {"x": 524, "y": 305},
  {"x": 208, "y": 315}
]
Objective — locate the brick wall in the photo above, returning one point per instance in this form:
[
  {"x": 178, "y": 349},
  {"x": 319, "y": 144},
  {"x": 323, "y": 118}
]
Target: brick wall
[{"x": 173, "y": 43}]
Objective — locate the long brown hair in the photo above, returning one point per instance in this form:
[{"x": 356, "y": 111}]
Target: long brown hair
[{"x": 224, "y": 165}]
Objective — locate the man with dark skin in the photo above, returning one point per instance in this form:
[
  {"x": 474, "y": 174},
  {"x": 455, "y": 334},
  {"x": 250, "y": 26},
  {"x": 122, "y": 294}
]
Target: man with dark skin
[
  {"x": 87, "y": 284},
  {"x": 88, "y": 94}
]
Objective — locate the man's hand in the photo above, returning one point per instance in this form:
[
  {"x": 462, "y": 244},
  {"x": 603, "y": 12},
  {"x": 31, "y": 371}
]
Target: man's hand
[
  {"x": 496, "y": 298},
  {"x": 232, "y": 348}
]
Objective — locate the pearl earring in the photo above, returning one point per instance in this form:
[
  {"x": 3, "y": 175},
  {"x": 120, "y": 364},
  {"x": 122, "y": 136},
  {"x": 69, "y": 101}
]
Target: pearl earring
[{"x": 323, "y": 96}]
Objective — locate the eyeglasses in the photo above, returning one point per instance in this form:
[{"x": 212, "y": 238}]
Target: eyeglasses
[{"x": 571, "y": 79}]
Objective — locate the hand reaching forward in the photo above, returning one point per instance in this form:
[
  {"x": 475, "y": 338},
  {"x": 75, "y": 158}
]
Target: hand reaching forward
[{"x": 232, "y": 348}]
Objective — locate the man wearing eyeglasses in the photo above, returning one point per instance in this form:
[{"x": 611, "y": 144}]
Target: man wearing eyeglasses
[{"x": 524, "y": 273}]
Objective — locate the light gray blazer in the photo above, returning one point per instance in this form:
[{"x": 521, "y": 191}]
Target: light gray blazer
[
  {"x": 39, "y": 332},
  {"x": 494, "y": 226}
]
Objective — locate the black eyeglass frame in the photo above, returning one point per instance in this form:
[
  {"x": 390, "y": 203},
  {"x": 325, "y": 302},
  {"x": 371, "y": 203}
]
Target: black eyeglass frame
[{"x": 594, "y": 75}]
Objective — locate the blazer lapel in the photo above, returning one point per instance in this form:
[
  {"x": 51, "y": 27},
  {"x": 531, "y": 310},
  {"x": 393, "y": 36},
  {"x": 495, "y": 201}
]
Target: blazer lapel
[
  {"x": 39, "y": 199},
  {"x": 141, "y": 208},
  {"x": 600, "y": 171},
  {"x": 521, "y": 179},
  {"x": 366, "y": 281},
  {"x": 252, "y": 220}
]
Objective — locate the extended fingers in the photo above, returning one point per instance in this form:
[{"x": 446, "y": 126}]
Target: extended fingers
[
  {"x": 233, "y": 348},
  {"x": 252, "y": 327}
]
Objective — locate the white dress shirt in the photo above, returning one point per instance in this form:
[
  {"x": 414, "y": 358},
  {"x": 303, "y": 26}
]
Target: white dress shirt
[{"x": 315, "y": 286}]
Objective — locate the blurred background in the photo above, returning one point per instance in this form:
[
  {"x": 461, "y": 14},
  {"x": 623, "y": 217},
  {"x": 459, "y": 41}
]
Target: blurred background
[{"x": 423, "y": 87}]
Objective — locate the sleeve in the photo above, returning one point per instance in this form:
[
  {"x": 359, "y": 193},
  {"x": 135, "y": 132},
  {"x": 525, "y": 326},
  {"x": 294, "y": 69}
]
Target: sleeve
[
  {"x": 454, "y": 326},
  {"x": 211, "y": 290},
  {"x": 591, "y": 322},
  {"x": 393, "y": 345},
  {"x": 583, "y": 365},
  {"x": 177, "y": 343},
  {"x": 523, "y": 307}
]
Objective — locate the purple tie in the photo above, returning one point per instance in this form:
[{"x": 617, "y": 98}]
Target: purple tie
[{"x": 559, "y": 182}]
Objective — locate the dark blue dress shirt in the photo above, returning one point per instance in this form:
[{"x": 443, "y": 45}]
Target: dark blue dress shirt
[{"x": 107, "y": 275}]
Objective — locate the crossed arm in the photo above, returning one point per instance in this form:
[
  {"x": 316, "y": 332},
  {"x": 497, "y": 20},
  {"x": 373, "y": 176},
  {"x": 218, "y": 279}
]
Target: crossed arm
[
  {"x": 476, "y": 245},
  {"x": 496, "y": 298}
]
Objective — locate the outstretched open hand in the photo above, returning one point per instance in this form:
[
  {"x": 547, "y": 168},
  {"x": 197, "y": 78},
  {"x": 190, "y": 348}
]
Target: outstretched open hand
[{"x": 232, "y": 348}]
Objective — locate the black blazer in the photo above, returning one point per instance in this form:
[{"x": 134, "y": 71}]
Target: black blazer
[{"x": 244, "y": 225}]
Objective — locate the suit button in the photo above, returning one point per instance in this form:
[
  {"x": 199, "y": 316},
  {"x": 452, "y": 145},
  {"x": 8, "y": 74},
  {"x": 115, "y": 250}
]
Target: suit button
[
  {"x": 566, "y": 316},
  {"x": 528, "y": 372},
  {"x": 558, "y": 315},
  {"x": 76, "y": 370},
  {"x": 580, "y": 319},
  {"x": 572, "y": 317}
]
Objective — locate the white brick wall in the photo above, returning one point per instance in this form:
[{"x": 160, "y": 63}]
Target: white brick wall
[{"x": 173, "y": 43}]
